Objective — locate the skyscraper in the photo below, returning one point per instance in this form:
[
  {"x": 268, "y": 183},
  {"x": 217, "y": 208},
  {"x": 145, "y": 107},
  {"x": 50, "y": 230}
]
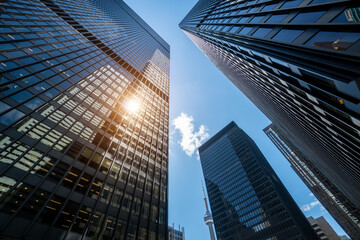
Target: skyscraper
[
  {"x": 247, "y": 199},
  {"x": 84, "y": 100},
  {"x": 298, "y": 62},
  {"x": 342, "y": 210}
]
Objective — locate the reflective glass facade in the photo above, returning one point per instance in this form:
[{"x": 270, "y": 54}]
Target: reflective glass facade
[
  {"x": 247, "y": 199},
  {"x": 298, "y": 62},
  {"x": 84, "y": 101},
  {"x": 342, "y": 210}
]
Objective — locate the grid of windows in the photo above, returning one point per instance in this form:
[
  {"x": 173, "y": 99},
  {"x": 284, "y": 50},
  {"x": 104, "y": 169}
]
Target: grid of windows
[
  {"x": 298, "y": 62},
  {"x": 75, "y": 158},
  {"x": 175, "y": 234},
  {"x": 343, "y": 211},
  {"x": 282, "y": 16},
  {"x": 246, "y": 197}
]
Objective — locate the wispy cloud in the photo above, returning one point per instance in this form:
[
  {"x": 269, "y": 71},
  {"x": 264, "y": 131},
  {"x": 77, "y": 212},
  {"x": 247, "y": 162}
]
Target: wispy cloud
[
  {"x": 308, "y": 207},
  {"x": 190, "y": 139}
]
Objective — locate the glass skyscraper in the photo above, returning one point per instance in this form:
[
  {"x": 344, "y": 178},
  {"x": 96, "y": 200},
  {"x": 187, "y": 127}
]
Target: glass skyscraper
[
  {"x": 298, "y": 62},
  {"x": 84, "y": 101},
  {"x": 247, "y": 199},
  {"x": 340, "y": 208}
]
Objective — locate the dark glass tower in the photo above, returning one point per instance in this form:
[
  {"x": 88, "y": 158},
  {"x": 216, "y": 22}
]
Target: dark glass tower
[
  {"x": 298, "y": 62},
  {"x": 247, "y": 199},
  {"x": 84, "y": 100},
  {"x": 342, "y": 210}
]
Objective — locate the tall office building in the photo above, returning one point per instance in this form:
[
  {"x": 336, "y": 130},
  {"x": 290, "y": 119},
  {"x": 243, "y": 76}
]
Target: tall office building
[
  {"x": 84, "y": 100},
  {"x": 340, "y": 208},
  {"x": 323, "y": 228},
  {"x": 298, "y": 62},
  {"x": 247, "y": 199}
]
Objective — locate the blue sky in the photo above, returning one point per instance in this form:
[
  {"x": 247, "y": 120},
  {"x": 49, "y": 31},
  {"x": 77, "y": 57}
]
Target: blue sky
[{"x": 203, "y": 101}]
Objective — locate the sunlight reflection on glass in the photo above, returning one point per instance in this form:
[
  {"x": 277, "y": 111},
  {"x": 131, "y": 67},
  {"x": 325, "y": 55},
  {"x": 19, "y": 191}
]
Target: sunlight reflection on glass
[{"x": 132, "y": 106}]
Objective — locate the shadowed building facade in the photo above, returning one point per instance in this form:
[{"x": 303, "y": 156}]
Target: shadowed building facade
[
  {"x": 84, "y": 101},
  {"x": 340, "y": 208},
  {"x": 247, "y": 199},
  {"x": 323, "y": 228},
  {"x": 298, "y": 62}
]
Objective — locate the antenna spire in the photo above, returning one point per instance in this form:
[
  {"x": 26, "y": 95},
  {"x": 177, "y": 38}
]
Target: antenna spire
[
  {"x": 205, "y": 199},
  {"x": 208, "y": 217}
]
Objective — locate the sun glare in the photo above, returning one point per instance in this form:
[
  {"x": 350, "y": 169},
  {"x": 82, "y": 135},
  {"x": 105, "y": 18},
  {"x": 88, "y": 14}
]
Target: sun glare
[{"x": 132, "y": 106}]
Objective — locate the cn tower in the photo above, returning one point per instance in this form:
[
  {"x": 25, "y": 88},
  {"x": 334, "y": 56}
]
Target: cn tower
[{"x": 208, "y": 219}]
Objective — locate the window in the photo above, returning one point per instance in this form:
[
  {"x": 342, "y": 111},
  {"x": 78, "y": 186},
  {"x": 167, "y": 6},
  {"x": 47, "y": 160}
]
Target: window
[
  {"x": 309, "y": 17},
  {"x": 321, "y": 1},
  {"x": 41, "y": 86},
  {"x": 234, "y": 29},
  {"x": 268, "y": 7},
  {"x": 253, "y": 9},
  {"x": 262, "y": 32},
  {"x": 250, "y": 3},
  {"x": 19, "y": 73},
  {"x": 28, "y": 60},
  {"x": 52, "y": 93},
  {"x": 291, "y": 4},
  {"x": 287, "y": 35},
  {"x": 276, "y": 18},
  {"x": 11, "y": 117},
  {"x": 22, "y": 96},
  {"x": 3, "y": 107},
  {"x": 227, "y": 20},
  {"x": 234, "y": 20},
  {"x": 225, "y": 29},
  {"x": 245, "y": 30},
  {"x": 65, "y": 84},
  {"x": 334, "y": 40},
  {"x": 31, "y": 80},
  {"x": 244, "y": 19},
  {"x": 9, "y": 88},
  {"x": 7, "y": 65},
  {"x": 7, "y": 46},
  {"x": 349, "y": 15},
  {"x": 256, "y": 19}
]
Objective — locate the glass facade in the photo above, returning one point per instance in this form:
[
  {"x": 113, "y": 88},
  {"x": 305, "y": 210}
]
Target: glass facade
[
  {"x": 84, "y": 115},
  {"x": 247, "y": 199},
  {"x": 340, "y": 208},
  {"x": 298, "y": 62}
]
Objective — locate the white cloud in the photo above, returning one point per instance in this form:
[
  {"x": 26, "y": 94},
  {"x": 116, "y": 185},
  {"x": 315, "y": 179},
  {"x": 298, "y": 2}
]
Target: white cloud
[
  {"x": 311, "y": 195},
  {"x": 308, "y": 207},
  {"x": 315, "y": 203},
  {"x": 190, "y": 140}
]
